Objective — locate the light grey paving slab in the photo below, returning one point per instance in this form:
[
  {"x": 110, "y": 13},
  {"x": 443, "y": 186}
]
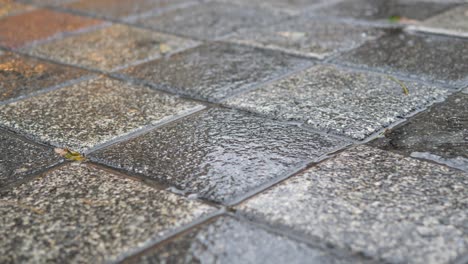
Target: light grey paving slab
[
  {"x": 397, "y": 209},
  {"x": 83, "y": 214},
  {"x": 439, "y": 134},
  {"x": 92, "y": 112},
  {"x": 384, "y": 9},
  {"x": 215, "y": 70},
  {"x": 218, "y": 154},
  {"x": 21, "y": 75},
  {"x": 293, "y": 6},
  {"x": 342, "y": 101},
  {"x": 20, "y": 158},
  {"x": 111, "y": 48},
  {"x": 226, "y": 240},
  {"x": 306, "y": 36},
  {"x": 212, "y": 20},
  {"x": 452, "y": 22},
  {"x": 425, "y": 57}
]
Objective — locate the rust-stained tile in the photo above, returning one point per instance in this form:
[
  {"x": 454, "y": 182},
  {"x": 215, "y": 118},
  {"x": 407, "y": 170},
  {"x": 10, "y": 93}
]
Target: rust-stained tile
[
  {"x": 112, "y": 47},
  {"x": 9, "y": 7},
  {"x": 16, "y": 31},
  {"x": 22, "y": 75}
]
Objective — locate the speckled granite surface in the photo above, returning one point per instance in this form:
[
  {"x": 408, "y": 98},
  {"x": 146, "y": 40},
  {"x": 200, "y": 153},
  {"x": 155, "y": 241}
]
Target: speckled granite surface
[{"x": 243, "y": 131}]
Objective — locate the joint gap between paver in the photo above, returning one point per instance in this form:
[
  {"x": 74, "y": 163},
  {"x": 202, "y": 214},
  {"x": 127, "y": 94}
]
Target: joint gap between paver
[
  {"x": 123, "y": 258},
  {"x": 311, "y": 241},
  {"x": 358, "y": 22},
  {"x": 420, "y": 29}
]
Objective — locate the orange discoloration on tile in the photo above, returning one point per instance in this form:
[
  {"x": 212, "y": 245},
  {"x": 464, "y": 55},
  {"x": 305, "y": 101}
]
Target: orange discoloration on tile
[
  {"x": 19, "y": 30},
  {"x": 9, "y": 7}
]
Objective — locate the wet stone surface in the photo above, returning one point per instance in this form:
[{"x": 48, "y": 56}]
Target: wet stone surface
[
  {"x": 91, "y": 112},
  {"x": 305, "y": 36},
  {"x": 352, "y": 103},
  {"x": 379, "y": 203},
  {"x": 117, "y": 9},
  {"x": 39, "y": 24},
  {"x": 21, "y": 75},
  {"x": 8, "y": 8},
  {"x": 83, "y": 214},
  {"x": 215, "y": 71},
  {"x": 20, "y": 158},
  {"x": 384, "y": 9},
  {"x": 218, "y": 154},
  {"x": 97, "y": 49},
  {"x": 428, "y": 58},
  {"x": 227, "y": 240},
  {"x": 453, "y": 21},
  {"x": 441, "y": 134},
  {"x": 212, "y": 20}
]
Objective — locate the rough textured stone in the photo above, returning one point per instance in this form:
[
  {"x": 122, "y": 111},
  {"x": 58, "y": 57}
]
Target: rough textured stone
[
  {"x": 305, "y": 36},
  {"x": 453, "y": 22},
  {"x": 429, "y": 58},
  {"x": 338, "y": 100},
  {"x": 8, "y": 8},
  {"x": 440, "y": 134},
  {"x": 83, "y": 214},
  {"x": 20, "y": 158},
  {"x": 379, "y": 203},
  {"x": 384, "y": 9},
  {"x": 227, "y": 240},
  {"x": 118, "y": 9},
  {"x": 215, "y": 71},
  {"x": 284, "y": 5},
  {"x": 47, "y": 2},
  {"x": 218, "y": 154},
  {"x": 97, "y": 49},
  {"x": 91, "y": 112},
  {"x": 21, "y": 75},
  {"x": 212, "y": 20},
  {"x": 16, "y": 31}
]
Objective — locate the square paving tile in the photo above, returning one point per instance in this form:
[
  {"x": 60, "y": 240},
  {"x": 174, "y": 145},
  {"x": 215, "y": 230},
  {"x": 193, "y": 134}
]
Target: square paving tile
[
  {"x": 338, "y": 100},
  {"x": 120, "y": 9},
  {"x": 83, "y": 214},
  {"x": 9, "y": 7},
  {"x": 381, "y": 204},
  {"x": 289, "y": 5},
  {"x": 215, "y": 71},
  {"x": 384, "y": 9},
  {"x": 430, "y": 58},
  {"x": 452, "y": 22},
  {"x": 212, "y": 20},
  {"x": 227, "y": 240},
  {"x": 308, "y": 37},
  {"x": 91, "y": 112},
  {"x": 98, "y": 49},
  {"x": 439, "y": 134},
  {"x": 20, "y": 158},
  {"x": 16, "y": 31},
  {"x": 218, "y": 154},
  {"x": 22, "y": 75}
]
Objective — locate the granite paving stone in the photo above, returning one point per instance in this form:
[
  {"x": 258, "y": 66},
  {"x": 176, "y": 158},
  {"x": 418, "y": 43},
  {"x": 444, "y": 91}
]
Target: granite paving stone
[
  {"x": 82, "y": 214},
  {"x": 219, "y": 154},
  {"x": 22, "y": 75},
  {"x": 47, "y": 2},
  {"x": 452, "y": 22},
  {"x": 338, "y": 100},
  {"x": 216, "y": 70},
  {"x": 118, "y": 9},
  {"x": 9, "y": 7},
  {"x": 212, "y": 20},
  {"x": 91, "y": 112},
  {"x": 397, "y": 209},
  {"x": 440, "y": 134},
  {"x": 285, "y": 5},
  {"x": 227, "y": 240},
  {"x": 97, "y": 49},
  {"x": 20, "y": 158},
  {"x": 39, "y": 24},
  {"x": 384, "y": 9},
  {"x": 429, "y": 58},
  {"x": 305, "y": 36}
]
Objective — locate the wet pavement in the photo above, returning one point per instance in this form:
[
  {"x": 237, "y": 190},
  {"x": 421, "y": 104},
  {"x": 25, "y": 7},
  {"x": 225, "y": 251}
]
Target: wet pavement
[{"x": 215, "y": 131}]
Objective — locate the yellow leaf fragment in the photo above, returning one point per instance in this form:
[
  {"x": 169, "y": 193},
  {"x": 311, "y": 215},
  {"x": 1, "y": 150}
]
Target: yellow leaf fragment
[
  {"x": 403, "y": 86},
  {"x": 69, "y": 154},
  {"x": 164, "y": 48}
]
